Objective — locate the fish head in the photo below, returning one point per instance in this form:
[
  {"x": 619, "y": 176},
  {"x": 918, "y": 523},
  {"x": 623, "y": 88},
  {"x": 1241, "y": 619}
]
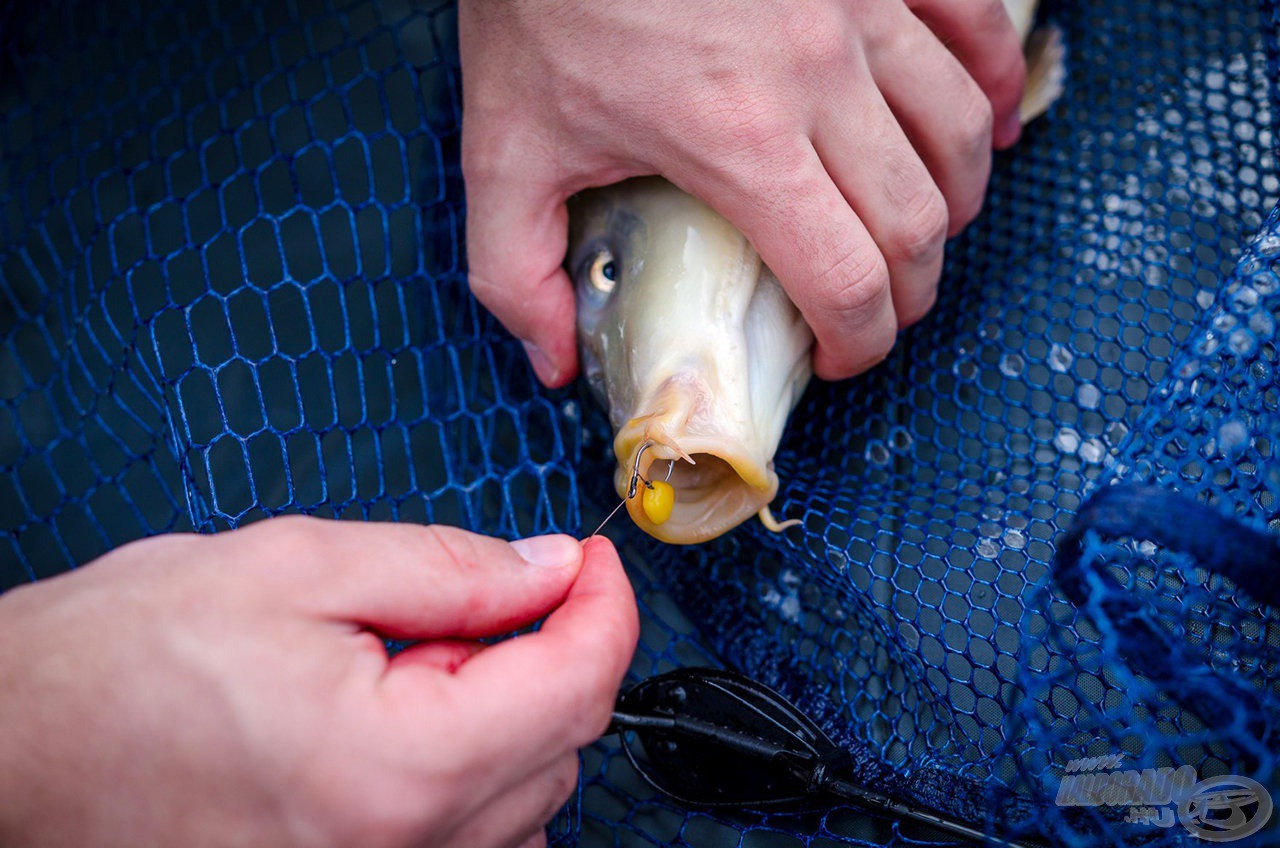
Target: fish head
[{"x": 691, "y": 344}]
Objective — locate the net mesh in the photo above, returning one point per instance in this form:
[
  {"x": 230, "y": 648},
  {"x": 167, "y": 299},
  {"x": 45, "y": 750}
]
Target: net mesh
[{"x": 232, "y": 285}]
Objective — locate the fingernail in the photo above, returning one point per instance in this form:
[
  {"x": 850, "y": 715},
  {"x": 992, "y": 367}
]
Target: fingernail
[
  {"x": 555, "y": 551},
  {"x": 542, "y": 364}
]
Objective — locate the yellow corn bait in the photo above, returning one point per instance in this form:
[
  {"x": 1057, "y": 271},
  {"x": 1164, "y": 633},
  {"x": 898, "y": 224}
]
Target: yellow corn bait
[{"x": 657, "y": 501}]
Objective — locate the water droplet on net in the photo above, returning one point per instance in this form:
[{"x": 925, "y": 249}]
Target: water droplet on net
[
  {"x": 988, "y": 549},
  {"x": 1091, "y": 450},
  {"x": 1262, "y": 324},
  {"x": 1207, "y": 344},
  {"x": 1223, "y": 322},
  {"x": 1011, "y": 365},
  {"x": 1242, "y": 300},
  {"x": 1089, "y": 395},
  {"x": 877, "y": 453},
  {"x": 1060, "y": 358},
  {"x": 900, "y": 439},
  {"x": 786, "y": 603},
  {"x": 789, "y": 609},
  {"x": 1067, "y": 440},
  {"x": 1232, "y": 436},
  {"x": 1015, "y": 539},
  {"x": 832, "y": 611},
  {"x": 1204, "y": 299},
  {"x": 1241, "y": 342}
]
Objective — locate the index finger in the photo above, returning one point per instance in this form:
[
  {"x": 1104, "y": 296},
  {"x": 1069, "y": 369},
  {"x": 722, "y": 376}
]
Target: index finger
[
  {"x": 533, "y": 698},
  {"x": 806, "y": 232}
]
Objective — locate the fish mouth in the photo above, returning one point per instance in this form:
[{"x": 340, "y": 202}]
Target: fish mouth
[{"x": 719, "y": 481}]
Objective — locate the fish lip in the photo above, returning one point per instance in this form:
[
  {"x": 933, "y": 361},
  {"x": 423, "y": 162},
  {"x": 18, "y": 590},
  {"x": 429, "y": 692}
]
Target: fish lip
[{"x": 740, "y": 486}]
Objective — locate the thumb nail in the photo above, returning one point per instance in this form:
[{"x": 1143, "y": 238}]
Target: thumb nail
[{"x": 555, "y": 551}]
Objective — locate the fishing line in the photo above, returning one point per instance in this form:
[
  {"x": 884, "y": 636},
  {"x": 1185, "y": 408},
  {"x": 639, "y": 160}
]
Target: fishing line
[{"x": 636, "y": 479}]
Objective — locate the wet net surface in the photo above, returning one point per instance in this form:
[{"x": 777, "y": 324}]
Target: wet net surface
[{"x": 232, "y": 285}]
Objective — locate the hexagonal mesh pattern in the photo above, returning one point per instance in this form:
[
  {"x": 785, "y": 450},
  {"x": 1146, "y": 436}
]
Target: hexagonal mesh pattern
[{"x": 232, "y": 286}]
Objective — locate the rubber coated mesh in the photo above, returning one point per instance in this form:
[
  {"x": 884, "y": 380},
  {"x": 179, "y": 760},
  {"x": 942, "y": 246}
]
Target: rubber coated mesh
[{"x": 233, "y": 286}]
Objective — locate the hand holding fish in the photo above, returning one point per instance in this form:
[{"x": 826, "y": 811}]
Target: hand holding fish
[
  {"x": 233, "y": 689},
  {"x": 845, "y": 138}
]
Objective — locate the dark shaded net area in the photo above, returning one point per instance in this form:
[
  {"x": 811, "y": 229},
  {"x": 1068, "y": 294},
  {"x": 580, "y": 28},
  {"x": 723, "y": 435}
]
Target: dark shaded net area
[{"x": 232, "y": 285}]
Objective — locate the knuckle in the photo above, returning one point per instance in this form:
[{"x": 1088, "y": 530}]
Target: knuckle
[
  {"x": 504, "y": 290},
  {"x": 483, "y": 286},
  {"x": 561, "y": 783},
  {"x": 475, "y": 159},
  {"x": 594, "y": 709},
  {"x": 819, "y": 38},
  {"x": 143, "y": 553},
  {"x": 787, "y": 160},
  {"x": 974, "y": 123},
  {"x": 492, "y": 150},
  {"x": 856, "y": 282},
  {"x": 304, "y": 550},
  {"x": 388, "y": 818},
  {"x": 368, "y": 808},
  {"x": 760, "y": 147},
  {"x": 827, "y": 48},
  {"x": 487, "y": 275},
  {"x": 455, "y": 546},
  {"x": 597, "y": 710},
  {"x": 294, "y": 538},
  {"x": 922, "y": 227},
  {"x": 749, "y": 142}
]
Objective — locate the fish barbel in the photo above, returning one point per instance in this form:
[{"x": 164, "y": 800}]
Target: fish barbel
[{"x": 692, "y": 345}]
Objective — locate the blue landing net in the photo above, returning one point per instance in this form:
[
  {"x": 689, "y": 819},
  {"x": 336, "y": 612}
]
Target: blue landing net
[{"x": 232, "y": 285}]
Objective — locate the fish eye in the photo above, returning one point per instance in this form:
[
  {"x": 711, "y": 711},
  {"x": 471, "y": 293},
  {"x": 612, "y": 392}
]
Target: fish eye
[{"x": 604, "y": 272}]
